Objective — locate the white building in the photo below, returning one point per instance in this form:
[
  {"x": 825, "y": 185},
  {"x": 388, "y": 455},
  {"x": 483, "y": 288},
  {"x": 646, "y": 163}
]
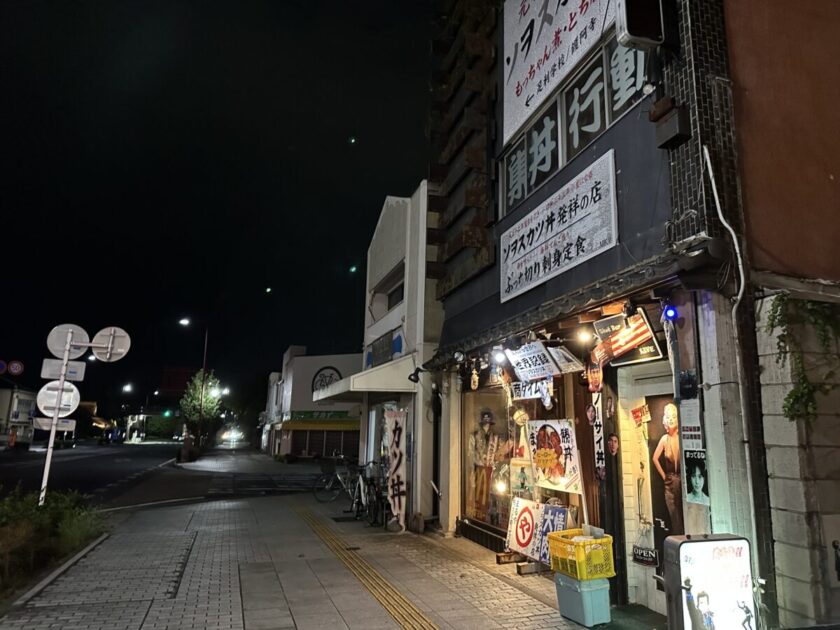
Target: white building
[
  {"x": 294, "y": 423},
  {"x": 402, "y": 326}
]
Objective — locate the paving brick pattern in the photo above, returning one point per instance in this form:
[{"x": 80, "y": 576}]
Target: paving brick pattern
[{"x": 253, "y": 564}]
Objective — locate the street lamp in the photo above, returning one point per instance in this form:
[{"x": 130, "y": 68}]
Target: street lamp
[
  {"x": 127, "y": 388},
  {"x": 185, "y": 321}
]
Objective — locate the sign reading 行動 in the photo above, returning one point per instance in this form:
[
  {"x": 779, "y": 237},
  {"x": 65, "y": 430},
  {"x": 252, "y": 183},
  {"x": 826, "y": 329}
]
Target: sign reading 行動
[{"x": 574, "y": 224}]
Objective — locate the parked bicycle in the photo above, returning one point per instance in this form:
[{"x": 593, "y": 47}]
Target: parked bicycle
[{"x": 350, "y": 480}]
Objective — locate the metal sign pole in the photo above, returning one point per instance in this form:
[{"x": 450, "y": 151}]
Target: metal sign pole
[{"x": 65, "y": 359}]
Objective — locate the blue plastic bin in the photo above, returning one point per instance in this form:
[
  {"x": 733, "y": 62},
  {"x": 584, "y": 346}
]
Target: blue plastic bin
[{"x": 587, "y": 602}]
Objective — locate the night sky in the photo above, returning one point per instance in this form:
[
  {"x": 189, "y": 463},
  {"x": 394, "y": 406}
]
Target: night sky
[{"x": 168, "y": 159}]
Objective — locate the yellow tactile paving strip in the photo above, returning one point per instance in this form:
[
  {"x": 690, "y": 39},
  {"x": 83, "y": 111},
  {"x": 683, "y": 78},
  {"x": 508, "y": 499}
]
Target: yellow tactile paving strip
[{"x": 402, "y": 610}]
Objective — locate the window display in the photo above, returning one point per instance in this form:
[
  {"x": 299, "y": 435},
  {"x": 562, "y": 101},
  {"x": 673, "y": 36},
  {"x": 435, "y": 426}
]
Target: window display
[{"x": 487, "y": 457}]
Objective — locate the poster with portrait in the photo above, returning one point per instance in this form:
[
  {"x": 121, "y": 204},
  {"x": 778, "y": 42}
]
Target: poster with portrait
[
  {"x": 663, "y": 440},
  {"x": 555, "y": 455},
  {"x": 696, "y": 508}
]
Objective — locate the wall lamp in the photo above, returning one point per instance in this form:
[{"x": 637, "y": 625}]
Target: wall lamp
[
  {"x": 499, "y": 355},
  {"x": 414, "y": 377}
]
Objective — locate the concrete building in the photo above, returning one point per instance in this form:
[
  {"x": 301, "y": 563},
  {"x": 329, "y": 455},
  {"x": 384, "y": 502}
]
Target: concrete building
[
  {"x": 294, "y": 423},
  {"x": 402, "y": 328}
]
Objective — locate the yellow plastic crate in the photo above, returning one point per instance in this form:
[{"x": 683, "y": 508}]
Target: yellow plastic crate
[{"x": 582, "y": 559}]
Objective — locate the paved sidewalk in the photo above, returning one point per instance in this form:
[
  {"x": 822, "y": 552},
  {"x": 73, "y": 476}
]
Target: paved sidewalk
[{"x": 280, "y": 562}]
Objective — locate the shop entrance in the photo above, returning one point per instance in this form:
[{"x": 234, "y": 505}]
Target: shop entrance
[{"x": 648, "y": 430}]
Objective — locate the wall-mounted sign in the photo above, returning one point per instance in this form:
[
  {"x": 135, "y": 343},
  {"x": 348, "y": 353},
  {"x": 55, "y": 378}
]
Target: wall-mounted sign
[
  {"x": 324, "y": 377},
  {"x": 627, "y": 338},
  {"x": 534, "y": 389},
  {"x": 532, "y": 362},
  {"x": 574, "y": 224},
  {"x": 648, "y": 350},
  {"x": 542, "y": 44},
  {"x": 645, "y": 556}
]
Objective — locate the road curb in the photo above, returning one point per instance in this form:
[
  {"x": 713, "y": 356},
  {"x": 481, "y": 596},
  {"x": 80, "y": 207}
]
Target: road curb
[
  {"x": 137, "y": 506},
  {"x": 40, "y": 586}
]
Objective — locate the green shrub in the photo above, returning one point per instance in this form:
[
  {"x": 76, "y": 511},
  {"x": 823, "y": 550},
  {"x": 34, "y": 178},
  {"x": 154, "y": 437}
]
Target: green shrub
[
  {"x": 77, "y": 528},
  {"x": 32, "y": 536}
]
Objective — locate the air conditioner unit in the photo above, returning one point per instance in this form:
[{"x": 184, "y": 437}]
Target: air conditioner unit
[{"x": 639, "y": 23}]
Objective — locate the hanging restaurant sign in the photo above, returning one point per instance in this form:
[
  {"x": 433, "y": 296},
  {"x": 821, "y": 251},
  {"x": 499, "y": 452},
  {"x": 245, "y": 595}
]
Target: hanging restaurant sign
[
  {"x": 565, "y": 360},
  {"x": 628, "y": 337},
  {"x": 576, "y": 223},
  {"x": 532, "y": 362},
  {"x": 648, "y": 350},
  {"x": 536, "y": 389}
]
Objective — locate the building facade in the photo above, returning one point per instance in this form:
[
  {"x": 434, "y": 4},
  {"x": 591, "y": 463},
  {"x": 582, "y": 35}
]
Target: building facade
[
  {"x": 296, "y": 425},
  {"x": 608, "y": 233},
  {"x": 400, "y": 418}
]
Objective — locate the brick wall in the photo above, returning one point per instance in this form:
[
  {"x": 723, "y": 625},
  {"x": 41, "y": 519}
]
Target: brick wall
[
  {"x": 698, "y": 78},
  {"x": 803, "y": 466}
]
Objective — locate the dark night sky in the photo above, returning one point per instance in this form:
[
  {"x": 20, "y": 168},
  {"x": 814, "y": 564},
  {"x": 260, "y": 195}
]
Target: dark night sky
[{"x": 171, "y": 158}]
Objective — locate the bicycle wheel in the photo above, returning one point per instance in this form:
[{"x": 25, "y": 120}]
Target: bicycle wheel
[
  {"x": 326, "y": 488},
  {"x": 362, "y": 500},
  {"x": 373, "y": 507}
]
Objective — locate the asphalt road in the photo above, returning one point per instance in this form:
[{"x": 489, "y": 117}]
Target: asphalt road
[{"x": 101, "y": 472}]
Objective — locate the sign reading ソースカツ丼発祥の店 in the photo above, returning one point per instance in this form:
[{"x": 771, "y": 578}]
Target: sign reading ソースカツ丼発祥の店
[
  {"x": 574, "y": 224},
  {"x": 543, "y": 43}
]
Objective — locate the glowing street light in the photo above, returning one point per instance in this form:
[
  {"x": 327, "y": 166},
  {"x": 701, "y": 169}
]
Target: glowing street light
[
  {"x": 226, "y": 391},
  {"x": 127, "y": 388},
  {"x": 184, "y": 321}
]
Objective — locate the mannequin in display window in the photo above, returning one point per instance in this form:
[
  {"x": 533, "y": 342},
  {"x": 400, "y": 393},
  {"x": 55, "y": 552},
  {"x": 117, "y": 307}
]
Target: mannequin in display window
[{"x": 481, "y": 448}]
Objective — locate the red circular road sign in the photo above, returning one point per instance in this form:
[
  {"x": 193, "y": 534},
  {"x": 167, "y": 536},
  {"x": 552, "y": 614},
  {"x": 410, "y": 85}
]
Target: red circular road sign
[
  {"x": 524, "y": 527},
  {"x": 15, "y": 368}
]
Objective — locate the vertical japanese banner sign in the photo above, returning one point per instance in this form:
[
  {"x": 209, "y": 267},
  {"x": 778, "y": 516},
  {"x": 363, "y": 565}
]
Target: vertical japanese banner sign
[
  {"x": 395, "y": 425},
  {"x": 543, "y": 42},
  {"x": 555, "y": 455},
  {"x": 597, "y": 424},
  {"x": 576, "y": 223}
]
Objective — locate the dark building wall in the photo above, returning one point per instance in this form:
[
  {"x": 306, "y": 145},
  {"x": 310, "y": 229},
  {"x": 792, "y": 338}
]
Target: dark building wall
[
  {"x": 642, "y": 197},
  {"x": 784, "y": 60}
]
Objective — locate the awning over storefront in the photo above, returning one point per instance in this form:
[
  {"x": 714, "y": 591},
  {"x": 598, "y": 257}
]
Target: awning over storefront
[
  {"x": 333, "y": 424},
  {"x": 391, "y": 377}
]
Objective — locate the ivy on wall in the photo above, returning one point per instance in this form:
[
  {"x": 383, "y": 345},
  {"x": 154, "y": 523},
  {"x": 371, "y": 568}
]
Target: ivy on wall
[{"x": 793, "y": 318}]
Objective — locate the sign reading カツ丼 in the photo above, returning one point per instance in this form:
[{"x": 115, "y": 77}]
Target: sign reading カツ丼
[
  {"x": 577, "y": 222},
  {"x": 543, "y": 42},
  {"x": 395, "y": 425}
]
